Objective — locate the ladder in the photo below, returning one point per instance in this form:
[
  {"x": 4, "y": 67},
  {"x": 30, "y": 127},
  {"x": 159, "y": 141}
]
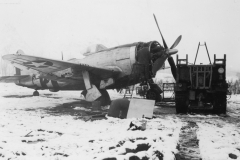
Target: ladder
[{"x": 129, "y": 91}]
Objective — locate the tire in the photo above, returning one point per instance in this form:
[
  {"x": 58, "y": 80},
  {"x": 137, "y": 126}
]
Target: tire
[
  {"x": 220, "y": 103},
  {"x": 35, "y": 93},
  {"x": 105, "y": 98},
  {"x": 153, "y": 95},
  {"x": 181, "y": 102}
]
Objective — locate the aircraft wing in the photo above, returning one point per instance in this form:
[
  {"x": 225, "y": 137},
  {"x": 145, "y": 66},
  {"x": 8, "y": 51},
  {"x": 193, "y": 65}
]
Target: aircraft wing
[
  {"x": 12, "y": 79},
  {"x": 49, "y": 67}
]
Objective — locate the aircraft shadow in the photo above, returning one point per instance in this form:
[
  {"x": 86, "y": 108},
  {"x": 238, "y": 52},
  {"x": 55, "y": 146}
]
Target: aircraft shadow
[
  {"x": 47, "y": 94},
  {"x": 27, "y": 96},
  {"x": 17, "y": 96},
  {"x": 79, "y": 109}
]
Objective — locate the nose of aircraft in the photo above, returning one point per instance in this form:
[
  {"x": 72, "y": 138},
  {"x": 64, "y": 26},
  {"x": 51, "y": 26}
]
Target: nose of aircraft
[{"x": 162, "y": 56}]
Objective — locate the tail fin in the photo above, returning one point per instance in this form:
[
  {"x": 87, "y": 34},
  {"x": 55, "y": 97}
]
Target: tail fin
[{"x": 18, "y": 71}]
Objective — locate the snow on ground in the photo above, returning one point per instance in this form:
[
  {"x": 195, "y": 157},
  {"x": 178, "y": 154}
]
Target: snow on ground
[
  {"x": 29, "y": 130},
  {"x": 50, "y": 127},
  {"x": 222, "y": 140}
]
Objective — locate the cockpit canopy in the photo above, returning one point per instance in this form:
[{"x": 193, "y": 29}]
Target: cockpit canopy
[{"x": 94, "y": 48}]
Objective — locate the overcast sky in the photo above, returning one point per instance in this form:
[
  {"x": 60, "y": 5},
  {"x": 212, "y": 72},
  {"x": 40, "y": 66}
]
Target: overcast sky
[{"x": 47, "y": 28}]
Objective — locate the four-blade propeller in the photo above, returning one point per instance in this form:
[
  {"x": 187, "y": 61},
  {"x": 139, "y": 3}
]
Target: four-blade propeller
[{"x": 167, "y": 51}]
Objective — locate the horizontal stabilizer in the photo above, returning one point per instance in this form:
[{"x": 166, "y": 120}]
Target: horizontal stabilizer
[{"x": 12, "y": 79}]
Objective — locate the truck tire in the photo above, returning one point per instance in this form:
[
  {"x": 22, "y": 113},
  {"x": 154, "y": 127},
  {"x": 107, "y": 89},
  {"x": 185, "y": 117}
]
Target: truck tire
[
  {"x": 220, "y": 103},
  {"x": 153, "y": 95},
  {"x": 181, "y": 102}
]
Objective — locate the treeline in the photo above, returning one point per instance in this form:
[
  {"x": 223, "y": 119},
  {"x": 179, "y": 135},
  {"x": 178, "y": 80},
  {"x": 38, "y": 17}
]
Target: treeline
[
  {"x": 6, "y": 68},
  {"x": 234, "y": 87}
]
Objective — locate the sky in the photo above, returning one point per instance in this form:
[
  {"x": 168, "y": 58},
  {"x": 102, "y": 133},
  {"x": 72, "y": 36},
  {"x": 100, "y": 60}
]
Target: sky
[{"x": 49, "y": 28}]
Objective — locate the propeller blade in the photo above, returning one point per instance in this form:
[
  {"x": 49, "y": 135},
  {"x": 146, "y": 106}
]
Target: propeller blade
[
  {"x": 167, "y": 55},
  {"x": 176, "y": 42},
  {"x": 173, "y": 67},
  {"x": 162, "y": 58},
  {"x": 171, "y": 51},
  {"x": 164, "y": 43},
  {"x": 158, "y": 65}
]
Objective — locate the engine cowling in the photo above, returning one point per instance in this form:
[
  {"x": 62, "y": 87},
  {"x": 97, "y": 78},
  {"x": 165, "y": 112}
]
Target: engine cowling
[{"x": 147, "y": 54}]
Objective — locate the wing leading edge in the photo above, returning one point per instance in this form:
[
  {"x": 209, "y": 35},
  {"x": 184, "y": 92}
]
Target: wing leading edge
[{"x": 51, "y": 67}]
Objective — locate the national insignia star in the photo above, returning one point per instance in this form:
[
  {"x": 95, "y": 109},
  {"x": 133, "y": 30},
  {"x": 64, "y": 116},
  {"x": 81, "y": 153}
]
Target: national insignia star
[{"x": 39, "y": 64}]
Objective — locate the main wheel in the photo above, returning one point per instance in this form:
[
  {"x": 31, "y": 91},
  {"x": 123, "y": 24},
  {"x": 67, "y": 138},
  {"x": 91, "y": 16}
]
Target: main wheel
[
  {"x": 220, "y": 103},
  {"x": 36, "y": 93},
  {"x": 153, "y": 95},
  {"x": 181, "y": 102},
  {"x": 105, "y": 98}
]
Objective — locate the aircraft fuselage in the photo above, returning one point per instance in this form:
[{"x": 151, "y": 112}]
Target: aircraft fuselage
[
  {"x": 131, "y": 60},
  {"x": 101, "y": 69}
]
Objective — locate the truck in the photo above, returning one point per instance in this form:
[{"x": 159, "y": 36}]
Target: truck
[{"x": 201, "y": 87}]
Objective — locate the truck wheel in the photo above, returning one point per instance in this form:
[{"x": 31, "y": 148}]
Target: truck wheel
[
  {"x": 220, "y": 103},
  {"x": 153, "y": 95},
  {"x": 181, "y": 102}
]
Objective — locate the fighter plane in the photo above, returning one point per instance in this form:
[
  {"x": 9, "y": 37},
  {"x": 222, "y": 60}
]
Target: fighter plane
[{"x": 101, "y": 69}]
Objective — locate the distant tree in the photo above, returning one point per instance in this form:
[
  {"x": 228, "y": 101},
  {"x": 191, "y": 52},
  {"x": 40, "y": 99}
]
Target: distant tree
[
  {"x": 236, "y": 87},
  {"x": 238, "y": 75},
  {"x": 231, "y": 86},
  {"x": 6, "y": 68}
]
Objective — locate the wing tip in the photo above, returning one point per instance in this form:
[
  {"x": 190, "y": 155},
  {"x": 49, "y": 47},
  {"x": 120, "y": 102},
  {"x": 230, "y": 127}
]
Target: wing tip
[{"x": 7, "y": 56}]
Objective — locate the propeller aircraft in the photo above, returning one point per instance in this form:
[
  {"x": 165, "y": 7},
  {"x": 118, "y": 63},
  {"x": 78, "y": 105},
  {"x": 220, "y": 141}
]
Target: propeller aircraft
[{"x": 101, "y": 69}]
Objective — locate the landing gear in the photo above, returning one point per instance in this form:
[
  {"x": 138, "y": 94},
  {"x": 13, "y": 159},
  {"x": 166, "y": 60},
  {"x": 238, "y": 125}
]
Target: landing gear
[
  {"x": 154, "y": 95},
  {"x": 104, "y": 99},
  {"x": 154, "y": 92},
  {"x": 35, "y": 93}
]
